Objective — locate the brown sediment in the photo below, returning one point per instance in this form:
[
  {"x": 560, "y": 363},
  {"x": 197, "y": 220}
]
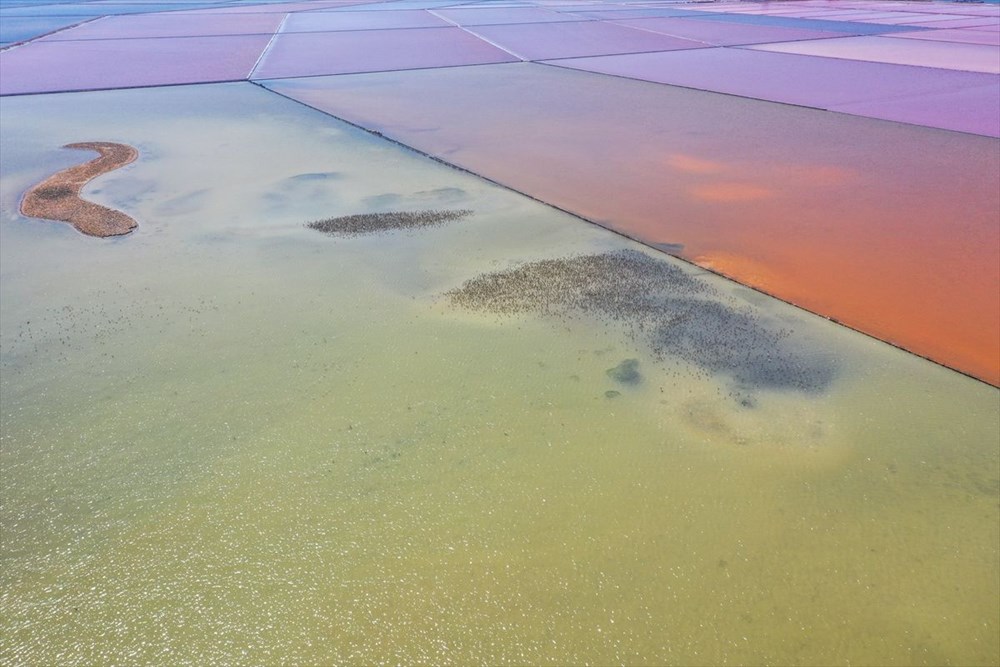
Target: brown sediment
[{"x": 58, "y": 196}]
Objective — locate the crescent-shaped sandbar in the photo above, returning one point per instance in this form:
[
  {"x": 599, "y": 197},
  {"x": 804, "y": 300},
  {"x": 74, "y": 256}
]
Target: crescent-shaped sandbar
[{"x": 58, "y": 196}]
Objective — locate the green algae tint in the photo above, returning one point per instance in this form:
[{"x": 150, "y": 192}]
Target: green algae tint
[{"x": 231, "y": 438}]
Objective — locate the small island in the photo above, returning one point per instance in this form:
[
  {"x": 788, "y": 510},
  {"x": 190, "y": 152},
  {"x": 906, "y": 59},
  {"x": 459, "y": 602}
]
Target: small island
[{"x": 58, "y": 196}]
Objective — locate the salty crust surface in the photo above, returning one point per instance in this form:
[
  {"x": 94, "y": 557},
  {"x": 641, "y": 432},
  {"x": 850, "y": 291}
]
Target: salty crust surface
[{"x": 58, "y": 196}]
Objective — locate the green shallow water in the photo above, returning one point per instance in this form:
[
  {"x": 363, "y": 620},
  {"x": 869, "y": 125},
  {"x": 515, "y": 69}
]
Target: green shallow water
[{"x": 231, "y": 439}]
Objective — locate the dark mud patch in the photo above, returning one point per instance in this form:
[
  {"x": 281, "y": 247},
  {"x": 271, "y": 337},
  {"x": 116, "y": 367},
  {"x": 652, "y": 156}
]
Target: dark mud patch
[
  {"x": 375, "y": 223},
  {"x": 663, "y": 307}
]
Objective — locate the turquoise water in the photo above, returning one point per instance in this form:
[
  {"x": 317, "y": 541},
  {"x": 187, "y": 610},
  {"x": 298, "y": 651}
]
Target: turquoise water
[{"x": 231, "y": 438}]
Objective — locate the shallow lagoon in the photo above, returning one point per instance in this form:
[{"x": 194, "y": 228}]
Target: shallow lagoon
[{"x": 228, "y": 437}]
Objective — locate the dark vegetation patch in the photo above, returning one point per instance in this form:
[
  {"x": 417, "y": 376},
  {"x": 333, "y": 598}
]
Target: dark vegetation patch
[{"x": 54, "y": 192}]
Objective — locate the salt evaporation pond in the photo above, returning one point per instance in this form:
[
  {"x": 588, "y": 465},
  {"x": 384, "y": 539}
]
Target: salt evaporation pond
[{"x": 505, "y": 437}]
